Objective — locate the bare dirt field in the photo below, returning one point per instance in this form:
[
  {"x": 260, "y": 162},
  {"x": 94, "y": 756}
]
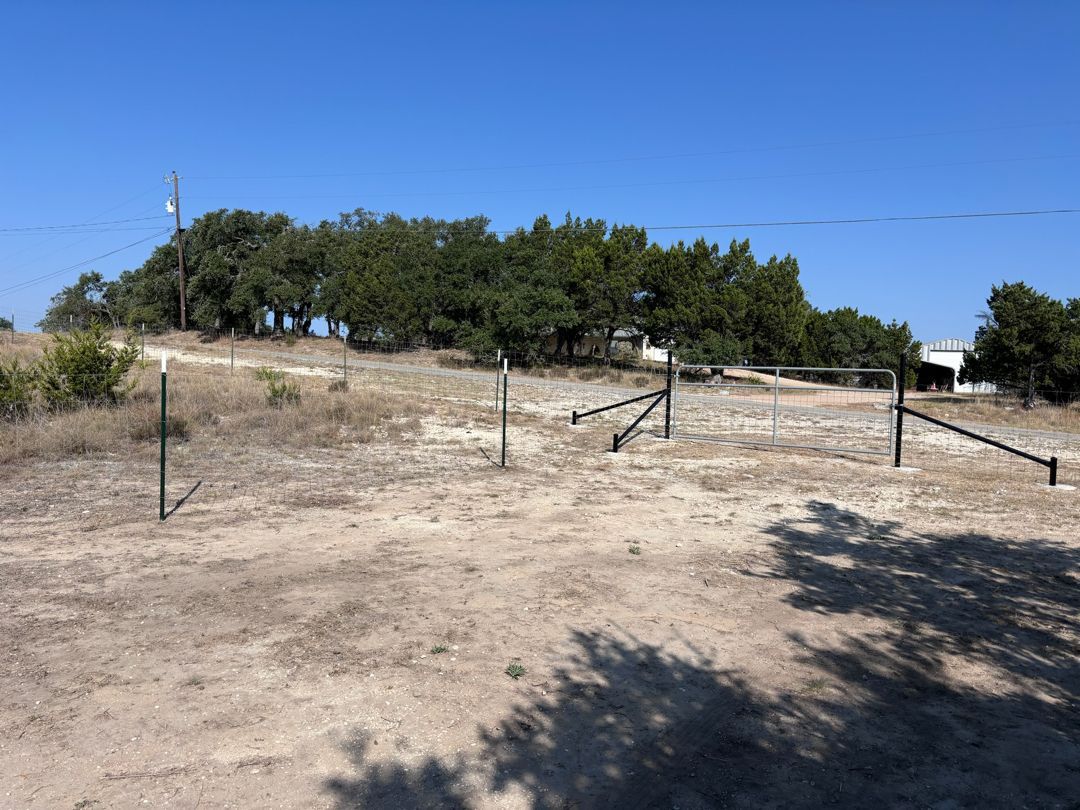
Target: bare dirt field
[{"x": 330, "y": 624}]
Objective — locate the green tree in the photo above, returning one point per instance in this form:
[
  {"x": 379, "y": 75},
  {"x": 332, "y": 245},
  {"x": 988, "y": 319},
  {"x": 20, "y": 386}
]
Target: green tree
[
  {"x": 88, "y": 300},
  {"x": 1028, "y": 341}
]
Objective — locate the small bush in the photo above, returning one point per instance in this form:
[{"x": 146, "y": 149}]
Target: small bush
[
  {"x": 279, "y": 391},
  {"x": 338, "y": 387},
  {"x": 17, "y": 384},
  {"x": 754, "y": 379},
  {"x": 83, "y": 367}
]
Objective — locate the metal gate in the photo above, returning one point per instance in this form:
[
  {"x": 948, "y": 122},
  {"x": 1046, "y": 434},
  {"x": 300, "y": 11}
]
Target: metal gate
[{"x": 846, "y": 410}]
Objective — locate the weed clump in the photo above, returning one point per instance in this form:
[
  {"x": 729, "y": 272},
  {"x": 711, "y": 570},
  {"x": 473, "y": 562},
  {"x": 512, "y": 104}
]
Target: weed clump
[
  {"x": 515, "y": 670},
  {"x": 279, "y": 391}
]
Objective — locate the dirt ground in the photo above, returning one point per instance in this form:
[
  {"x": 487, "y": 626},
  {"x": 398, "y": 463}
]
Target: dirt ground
[{"x": 699, "y": 626}]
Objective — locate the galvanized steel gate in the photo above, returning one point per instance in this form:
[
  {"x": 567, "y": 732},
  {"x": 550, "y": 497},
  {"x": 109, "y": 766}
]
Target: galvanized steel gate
[{"x": 781, "y": 406}]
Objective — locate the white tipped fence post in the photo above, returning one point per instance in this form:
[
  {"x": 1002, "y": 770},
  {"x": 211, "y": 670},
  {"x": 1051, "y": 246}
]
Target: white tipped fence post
[
  {"x": 505, "y": 369},
  {"x": 161, "y": 499}
]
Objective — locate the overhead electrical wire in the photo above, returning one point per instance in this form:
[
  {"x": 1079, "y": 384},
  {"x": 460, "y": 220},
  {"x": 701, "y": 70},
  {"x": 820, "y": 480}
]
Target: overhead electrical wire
[
  {"x": 848, "y": 221},
  {"x": 37, "y": 280},
  {"x": 63, "y": 228},
  {"x": 613, "y": 186},
  {"x": 645, "y": 158}
]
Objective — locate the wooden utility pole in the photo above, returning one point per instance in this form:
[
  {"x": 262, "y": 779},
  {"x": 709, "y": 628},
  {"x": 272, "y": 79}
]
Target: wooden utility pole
[{"x": 180, "y": 250}]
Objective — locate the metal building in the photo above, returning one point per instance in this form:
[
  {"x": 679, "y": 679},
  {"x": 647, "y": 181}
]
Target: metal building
[{"x": 941, "y": 362}]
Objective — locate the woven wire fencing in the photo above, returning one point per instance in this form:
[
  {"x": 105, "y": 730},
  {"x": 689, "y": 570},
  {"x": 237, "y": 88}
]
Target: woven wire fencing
[
  {"x": 845, "y": 410},
  {"x": 948, "y": 455},
  {"x": 357, "y": 416}
]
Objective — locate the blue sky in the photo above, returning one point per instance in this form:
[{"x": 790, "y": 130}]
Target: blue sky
[{"x": 656, "y": 114}]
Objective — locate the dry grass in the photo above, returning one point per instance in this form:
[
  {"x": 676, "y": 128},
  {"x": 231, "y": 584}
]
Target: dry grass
[
  {"x": 206, "y": 403},
  {"x": 994, "y": 410}
]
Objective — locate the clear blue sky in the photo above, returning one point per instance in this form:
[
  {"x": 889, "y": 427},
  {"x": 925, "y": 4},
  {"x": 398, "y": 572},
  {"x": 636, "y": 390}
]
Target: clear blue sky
[{"x": 746, "y": 112}]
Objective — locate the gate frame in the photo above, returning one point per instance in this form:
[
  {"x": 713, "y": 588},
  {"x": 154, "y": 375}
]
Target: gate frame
[{"x": 775, "y": 372}]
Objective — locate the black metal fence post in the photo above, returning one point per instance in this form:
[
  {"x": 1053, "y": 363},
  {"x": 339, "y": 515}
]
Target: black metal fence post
[
  {"x": 573, "y": 417},
  {"x": 1053, "y": 471},
  {"x": 614, "y": 442},
  {"x": 667, "y": 406},
  {"x": 901, "y": 383}
]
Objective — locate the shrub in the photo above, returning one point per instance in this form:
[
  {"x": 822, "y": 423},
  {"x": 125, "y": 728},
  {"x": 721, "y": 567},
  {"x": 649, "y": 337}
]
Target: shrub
[
  {"x": 279, "y": 392},
  {"x": 84, "y": 367},
  {"x": 338, "y": 386},
  {"x": 17, "y": 383}
]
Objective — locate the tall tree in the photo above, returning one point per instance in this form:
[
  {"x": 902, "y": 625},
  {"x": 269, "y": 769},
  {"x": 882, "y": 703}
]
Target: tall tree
[{"x": 1027, "y": 342}]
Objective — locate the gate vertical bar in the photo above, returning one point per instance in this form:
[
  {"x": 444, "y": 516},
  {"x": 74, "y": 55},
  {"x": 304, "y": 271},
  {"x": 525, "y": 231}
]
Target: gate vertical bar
[
  {"x": 776, "y": 407},
  {"x": 498, "y": 362},
  {"x": 901, "y": 383},
  {"x": 667, "y": 405},
  {"x": 232, "y": 349},
  {"x": 345, "y": 359},
  {"x": 161, "y": 484}
]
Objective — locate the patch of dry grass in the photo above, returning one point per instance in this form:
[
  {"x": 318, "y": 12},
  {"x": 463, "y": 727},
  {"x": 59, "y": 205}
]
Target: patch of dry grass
[
  {"x": 994, "y": 410},
  {"x": 205, "y": 403}
]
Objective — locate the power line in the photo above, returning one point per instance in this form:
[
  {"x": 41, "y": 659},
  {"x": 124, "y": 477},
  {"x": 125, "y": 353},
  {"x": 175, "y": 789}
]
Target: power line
[
  {"x": 80, "y": 230},
  {"x": 62, "y": 228},
  {"x": 706, "y": 226},
  {"x": 602, "y": 161},
  {"x": 656, "y": 183},
  {"x": 47, "y": 236},
  {"x": 30, "y": 282},
  {"x": 851, "y": 221}
]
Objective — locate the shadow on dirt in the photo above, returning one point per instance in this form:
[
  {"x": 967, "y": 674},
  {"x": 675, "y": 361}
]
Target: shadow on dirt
[{"x": 969, "y": 695}]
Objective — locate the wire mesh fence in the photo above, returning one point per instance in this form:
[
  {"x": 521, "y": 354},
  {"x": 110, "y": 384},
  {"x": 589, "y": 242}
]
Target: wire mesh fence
[
  {"x": 948, "y": 454},
  {"x": 365, "y": 411},
  {"x": 786, "y": 407}
]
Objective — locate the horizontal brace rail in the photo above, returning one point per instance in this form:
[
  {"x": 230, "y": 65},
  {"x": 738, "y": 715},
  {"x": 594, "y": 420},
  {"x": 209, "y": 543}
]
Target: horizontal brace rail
[
  {"x": 1000, "y": 445},
  {"x": 617, "y": 439},
  {"x": 574, "y": 415},
  {"x": 767, "y": 388},
  {"x": 792, "y": 368}
]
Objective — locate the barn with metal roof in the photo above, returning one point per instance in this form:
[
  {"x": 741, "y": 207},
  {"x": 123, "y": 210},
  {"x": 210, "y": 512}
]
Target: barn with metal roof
[{"x": 941, "y": 362}]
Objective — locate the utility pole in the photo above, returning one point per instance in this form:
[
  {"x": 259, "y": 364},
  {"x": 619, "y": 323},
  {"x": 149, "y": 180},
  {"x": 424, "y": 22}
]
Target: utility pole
[{"x": 175, "y": 180}]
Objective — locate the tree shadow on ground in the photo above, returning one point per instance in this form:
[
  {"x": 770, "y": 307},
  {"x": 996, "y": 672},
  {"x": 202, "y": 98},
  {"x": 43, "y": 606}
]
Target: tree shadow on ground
[{"x": 962, "y": 691}]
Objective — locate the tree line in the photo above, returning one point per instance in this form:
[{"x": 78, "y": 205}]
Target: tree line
[{"x": 457, "y": 284}]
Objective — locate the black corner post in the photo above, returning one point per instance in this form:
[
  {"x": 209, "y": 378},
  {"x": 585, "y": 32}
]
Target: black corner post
[
  {"x": 901, "y": 383},
  {"x": 573, "y": 417},
  {"x": 1053, "y": 471},
  {"x": 667, "y": 405},
  {"x": 614, "y": 442}
]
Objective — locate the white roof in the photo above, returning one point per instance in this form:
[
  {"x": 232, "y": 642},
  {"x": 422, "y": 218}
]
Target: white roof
[{"x": 950, "y": 345}]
